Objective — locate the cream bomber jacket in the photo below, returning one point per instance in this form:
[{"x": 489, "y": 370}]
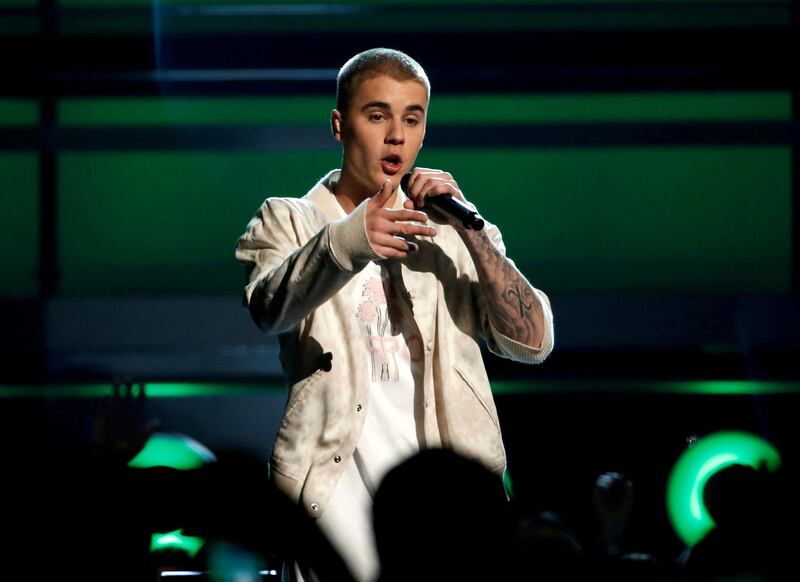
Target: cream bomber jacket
[{"x": 302, "y": 258}]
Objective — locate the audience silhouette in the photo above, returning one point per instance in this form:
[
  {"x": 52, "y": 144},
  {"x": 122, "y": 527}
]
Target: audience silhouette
[
  {"x": 437, "y": 516},
  {"x": 440, "y": 516}
]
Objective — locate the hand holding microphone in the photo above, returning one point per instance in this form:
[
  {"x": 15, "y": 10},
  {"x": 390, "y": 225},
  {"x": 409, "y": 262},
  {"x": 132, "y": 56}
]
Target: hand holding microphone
[{"x": 446, "y": 204}]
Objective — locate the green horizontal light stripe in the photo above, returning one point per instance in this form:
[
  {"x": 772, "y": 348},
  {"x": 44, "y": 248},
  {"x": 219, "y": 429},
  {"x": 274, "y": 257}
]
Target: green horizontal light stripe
[
  {"x": 624, "y": 3},
  {"x": 155, "y": 390},
  {"x": 446, "y": 109},
  {"x": 739, "y": 106},
  {"x": 201, "y": 389},
  {"x": 56, "y": 391},
  {"x": 18, "y": 112},
  {"x": 184, "y": 390},
  {"x": 196, "y": 111},
  {"x": 116, "y": 3},
  {"x": 701, "y": 387}
]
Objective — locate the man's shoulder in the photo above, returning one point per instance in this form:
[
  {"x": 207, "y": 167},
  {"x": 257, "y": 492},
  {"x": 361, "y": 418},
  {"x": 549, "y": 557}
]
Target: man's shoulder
[
  {"x": 286, "y": 208},
  {"x": 310, "y": 206},
  {"x": 288, "y": 204},
  {"x": 283, "y": 216}
]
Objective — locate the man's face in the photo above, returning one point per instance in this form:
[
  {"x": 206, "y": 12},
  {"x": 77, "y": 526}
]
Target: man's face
[{"x": 381, "y": 132}]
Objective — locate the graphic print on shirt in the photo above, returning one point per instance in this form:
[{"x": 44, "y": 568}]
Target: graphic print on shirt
[{"x": 383, "y": 344}]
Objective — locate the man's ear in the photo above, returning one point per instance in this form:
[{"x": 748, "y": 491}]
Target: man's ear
[{"x": 336, "y": 124}]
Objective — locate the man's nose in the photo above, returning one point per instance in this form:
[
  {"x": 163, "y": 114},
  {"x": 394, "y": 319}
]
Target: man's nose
[{"x": 394, "y": 133}]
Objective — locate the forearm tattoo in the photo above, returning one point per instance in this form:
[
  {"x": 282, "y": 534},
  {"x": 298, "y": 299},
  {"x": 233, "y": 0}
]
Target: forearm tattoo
[
  {"x": 522, "y": 306},
  {"x": 514, "y": 309}
]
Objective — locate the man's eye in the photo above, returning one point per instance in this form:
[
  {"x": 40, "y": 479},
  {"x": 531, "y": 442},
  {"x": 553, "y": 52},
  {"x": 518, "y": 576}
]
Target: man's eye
[
  {"x": 412, "y": 121},
  {"x": 377, "y": 116}
]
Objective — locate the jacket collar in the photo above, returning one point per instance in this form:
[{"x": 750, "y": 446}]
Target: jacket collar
[{"x": 321, "y": 195}]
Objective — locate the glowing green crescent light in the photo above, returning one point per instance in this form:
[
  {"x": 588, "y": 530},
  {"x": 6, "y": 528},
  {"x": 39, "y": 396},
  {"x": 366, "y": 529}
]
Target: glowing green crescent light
[
  {"x": 698, "y": 464},
  {"x": 708, "y": 468},
  {"x": 172, "y": 450},
  {"x": 175, "y": 540}
]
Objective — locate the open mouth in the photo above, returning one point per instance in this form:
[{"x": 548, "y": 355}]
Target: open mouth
[{"x": 391, "y": 164}]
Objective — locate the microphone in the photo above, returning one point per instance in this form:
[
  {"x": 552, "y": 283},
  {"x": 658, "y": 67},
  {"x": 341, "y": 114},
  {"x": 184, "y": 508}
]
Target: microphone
[{"x": 451, "y": 207}]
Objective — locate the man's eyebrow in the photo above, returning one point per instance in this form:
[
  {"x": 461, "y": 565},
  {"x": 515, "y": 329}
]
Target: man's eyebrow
[
  {"x": 377, "y": 104},
  {"x": 416, "y": 107}
]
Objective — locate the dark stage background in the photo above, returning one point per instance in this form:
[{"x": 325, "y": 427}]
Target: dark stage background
[{"x": 640, "y": 157}]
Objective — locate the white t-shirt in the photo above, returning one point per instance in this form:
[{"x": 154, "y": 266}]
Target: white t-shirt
[
  {"x": 390, "y": 434},
  {"x": 390, "y": 429}
]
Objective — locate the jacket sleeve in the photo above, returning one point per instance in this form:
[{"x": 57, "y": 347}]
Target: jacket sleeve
[
  {"x": 497, "y": 342},
  {"x": 288, "y": 276}
]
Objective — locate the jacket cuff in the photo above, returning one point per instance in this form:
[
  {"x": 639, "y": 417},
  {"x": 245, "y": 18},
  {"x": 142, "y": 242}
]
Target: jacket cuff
[{"x": 348, "y": 240}]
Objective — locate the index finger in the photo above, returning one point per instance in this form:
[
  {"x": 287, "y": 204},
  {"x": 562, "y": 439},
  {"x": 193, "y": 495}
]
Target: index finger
[
  {"x": 407, "y": 215},
  {"x": 382, "y": 196}
]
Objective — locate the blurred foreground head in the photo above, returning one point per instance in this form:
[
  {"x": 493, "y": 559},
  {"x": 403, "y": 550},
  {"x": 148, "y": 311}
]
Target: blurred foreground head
[{"x": 441, "y": 516}]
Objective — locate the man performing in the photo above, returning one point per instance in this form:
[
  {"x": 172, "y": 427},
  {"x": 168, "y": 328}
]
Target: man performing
[{"x": 379, "y": 301}]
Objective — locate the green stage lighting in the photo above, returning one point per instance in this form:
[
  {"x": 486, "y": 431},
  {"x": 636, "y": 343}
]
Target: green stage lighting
[
  {"x": 704, "y": 458},
  {"x": 175, "y": 540},
  {"x": 172, "y": 450}
]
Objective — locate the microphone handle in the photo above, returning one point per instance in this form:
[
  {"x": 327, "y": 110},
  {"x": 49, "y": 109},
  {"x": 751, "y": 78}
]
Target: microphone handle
[{"x": 456, "y": 210}]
